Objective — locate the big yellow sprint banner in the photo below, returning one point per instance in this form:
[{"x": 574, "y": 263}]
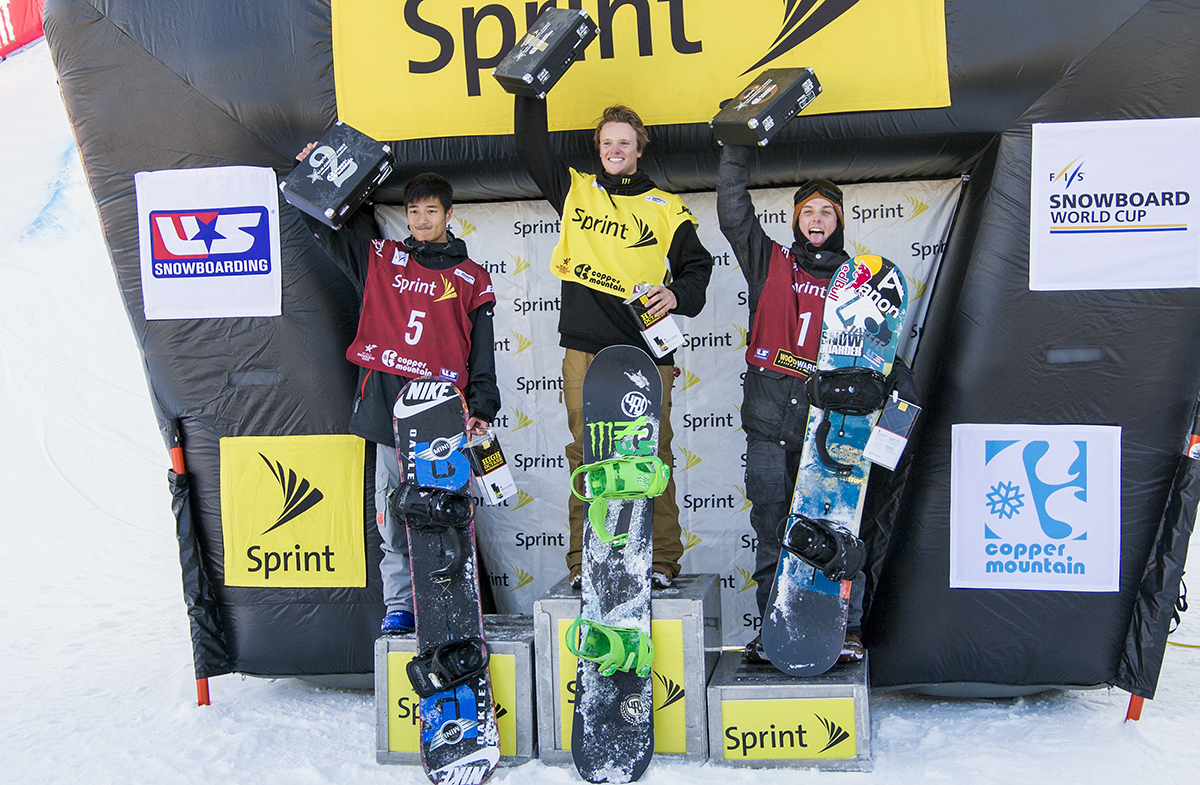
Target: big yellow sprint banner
[
  {"x": 292, "y": 511},
  {"x": 412, "y": 69}
]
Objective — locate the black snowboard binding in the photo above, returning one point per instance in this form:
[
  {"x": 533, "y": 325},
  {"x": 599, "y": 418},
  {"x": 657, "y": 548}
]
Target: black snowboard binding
[
  {"x": 833, "y": 550},
  {"x": 434, "y": 510},
  {"x": 448, "y": 665},
  {"x": 846, "y": 391}
]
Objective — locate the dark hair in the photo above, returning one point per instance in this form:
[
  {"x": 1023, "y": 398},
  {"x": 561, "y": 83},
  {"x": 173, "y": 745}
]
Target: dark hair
[
  {"x": 427, "y": 185},
  {"x": 622, "y": 114}
]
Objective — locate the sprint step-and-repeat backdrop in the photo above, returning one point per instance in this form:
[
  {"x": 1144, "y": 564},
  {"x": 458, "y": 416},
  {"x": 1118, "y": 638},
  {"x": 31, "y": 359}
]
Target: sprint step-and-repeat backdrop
[{"x": 524, "y": 541}]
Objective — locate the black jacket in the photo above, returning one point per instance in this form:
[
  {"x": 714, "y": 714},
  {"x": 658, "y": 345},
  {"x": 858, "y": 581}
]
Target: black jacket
[
  {"x": 371, "y": 417},
  {"x": 774, "y": 406},
  {"x": 590, "y": 320}
]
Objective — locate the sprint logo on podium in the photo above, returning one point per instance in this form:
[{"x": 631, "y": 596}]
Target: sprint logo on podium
[{"x": 1035, "y": 507}]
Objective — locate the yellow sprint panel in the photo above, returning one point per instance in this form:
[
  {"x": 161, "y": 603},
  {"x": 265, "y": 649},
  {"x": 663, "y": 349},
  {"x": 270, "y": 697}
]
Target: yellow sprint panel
[
  {"x": 670, "y": 705},
  {"x": 797, "y": 728},
  {"x": 672, "y": 61},
  {"x": 404, "y": 726},
  {"x": 292, "y": 511}
]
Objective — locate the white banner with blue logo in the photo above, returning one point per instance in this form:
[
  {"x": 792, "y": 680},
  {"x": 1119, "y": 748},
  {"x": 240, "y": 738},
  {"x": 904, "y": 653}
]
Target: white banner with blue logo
[
  {"x": 1115, "y": 205},
  {"x": 1035, "y": 507},
  {"x": 209, "y": 241}
]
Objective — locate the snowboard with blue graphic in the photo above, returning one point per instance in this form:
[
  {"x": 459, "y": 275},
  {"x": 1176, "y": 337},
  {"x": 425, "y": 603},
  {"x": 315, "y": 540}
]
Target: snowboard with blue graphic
[
  {"x": 460, "y": 741},
  {"x": 805, "y": 620}
]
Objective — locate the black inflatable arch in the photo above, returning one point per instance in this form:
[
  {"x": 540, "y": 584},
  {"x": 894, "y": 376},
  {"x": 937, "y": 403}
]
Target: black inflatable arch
[{"x": 171, "y": 84}]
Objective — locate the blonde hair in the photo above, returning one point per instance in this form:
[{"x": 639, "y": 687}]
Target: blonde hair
[{"x": 622, "y": 114}]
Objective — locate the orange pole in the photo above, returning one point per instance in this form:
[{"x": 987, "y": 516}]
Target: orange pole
[
  {"x": 202, "y": 692},
  {"x": 1135, "y": 708}
]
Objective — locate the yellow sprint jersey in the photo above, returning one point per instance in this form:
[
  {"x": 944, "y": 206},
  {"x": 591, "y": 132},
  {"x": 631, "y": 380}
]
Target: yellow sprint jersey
[{"x": 612, "y": 243}]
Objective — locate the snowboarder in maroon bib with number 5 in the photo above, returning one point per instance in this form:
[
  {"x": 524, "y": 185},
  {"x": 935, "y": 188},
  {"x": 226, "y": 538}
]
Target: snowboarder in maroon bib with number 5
[{"x": 426, "y": 311}]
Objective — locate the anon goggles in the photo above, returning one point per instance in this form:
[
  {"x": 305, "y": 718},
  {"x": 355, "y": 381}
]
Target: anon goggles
[{"x": 818, "y": 188}]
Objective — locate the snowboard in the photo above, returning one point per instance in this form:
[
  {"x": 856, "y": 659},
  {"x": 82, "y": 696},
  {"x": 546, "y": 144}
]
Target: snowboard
[
  {"x": 805, "y": 620},
  {"x": 460, "y": 741},
  {"x": 612, "y": 735}
]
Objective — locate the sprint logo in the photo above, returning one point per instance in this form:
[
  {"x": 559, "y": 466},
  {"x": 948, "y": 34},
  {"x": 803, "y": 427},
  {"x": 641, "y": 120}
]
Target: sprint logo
[
  {"x": 672, "y": 692},
  {"x": 298, "y": 497},
  {"x": 918, "y": 207},
  {"x": 465, "y": 227},
  {"x": 523, "y": 343},
  {"x": 519, "y": 264},
  {"x": 802, "y": 19},
  {"x": 448, "y": 291},
  {"x": 645, "y": 237}
]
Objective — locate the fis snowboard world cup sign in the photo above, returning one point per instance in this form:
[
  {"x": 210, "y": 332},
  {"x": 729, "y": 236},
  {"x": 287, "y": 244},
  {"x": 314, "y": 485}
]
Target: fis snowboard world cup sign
[
  {"x": 671, "y": 60},
  {"x": 292, "y": 511},
  {"x": 1035, "y": 507},
  {"x": 1115, "y": 204}
]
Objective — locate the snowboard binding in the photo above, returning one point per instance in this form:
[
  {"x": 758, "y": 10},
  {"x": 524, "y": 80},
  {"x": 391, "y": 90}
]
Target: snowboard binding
[
  {"x": 854, "y": 392},
  {"x": 431, "y": 509},
  {"x": 830, "y": 548},
  {"x": 447, "y": 665},
  {"x": 618, "y": 478},
  {"x": 611, "y": 648}
]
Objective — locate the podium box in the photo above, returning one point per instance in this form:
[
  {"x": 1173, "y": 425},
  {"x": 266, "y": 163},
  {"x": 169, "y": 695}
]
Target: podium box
[
  {"x": 686, "y": 629},
  {"x": 510, "y": 645},
  {"x": 759, "y": 716}
]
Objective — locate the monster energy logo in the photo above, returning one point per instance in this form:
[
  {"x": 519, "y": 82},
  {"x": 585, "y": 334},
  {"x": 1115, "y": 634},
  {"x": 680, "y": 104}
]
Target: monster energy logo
[{"x": 632, "y": 437}]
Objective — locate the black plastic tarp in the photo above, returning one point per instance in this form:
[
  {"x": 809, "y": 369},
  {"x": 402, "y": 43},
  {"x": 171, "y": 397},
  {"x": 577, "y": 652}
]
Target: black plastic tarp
[
  {"x": 166, "y": 84},
  {"x": 995, "y": 364}
]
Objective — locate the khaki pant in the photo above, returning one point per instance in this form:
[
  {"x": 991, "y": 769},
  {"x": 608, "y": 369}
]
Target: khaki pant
[{"x": 668, "y": 537}]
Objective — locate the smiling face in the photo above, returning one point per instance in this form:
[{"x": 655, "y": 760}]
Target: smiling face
[
  {"x": 427, "y": 220},
  {"x": 818, "y": 218},
  {"x": 618, "y": 148}
]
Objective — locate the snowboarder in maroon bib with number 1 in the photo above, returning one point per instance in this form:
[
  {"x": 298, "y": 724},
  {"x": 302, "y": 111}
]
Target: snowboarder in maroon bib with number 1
[{"x": 790, "y": 284}]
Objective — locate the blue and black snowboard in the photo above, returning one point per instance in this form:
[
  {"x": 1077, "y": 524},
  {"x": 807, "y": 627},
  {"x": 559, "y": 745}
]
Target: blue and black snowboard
[
  {"x": 612, "y": 735},
  {"x": 460, "y": 742},
  {"x": 805, "y": 620}
]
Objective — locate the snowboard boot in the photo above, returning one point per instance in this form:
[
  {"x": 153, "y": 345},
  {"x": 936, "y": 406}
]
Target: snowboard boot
[
  {"x": 659, "y": 580},
  {"x": 754, "y": 653},
  {"x": 397, "y": 623},
  {"x": 852, "y": 649},
  {"x": 828, "y": 547}
]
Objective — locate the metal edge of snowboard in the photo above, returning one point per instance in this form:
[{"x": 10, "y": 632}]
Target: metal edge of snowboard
[{"x": 479, "y": 761}]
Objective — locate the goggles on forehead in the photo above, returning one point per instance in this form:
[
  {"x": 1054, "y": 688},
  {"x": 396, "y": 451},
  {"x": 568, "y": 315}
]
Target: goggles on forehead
[{"x": 818, "y": 187}]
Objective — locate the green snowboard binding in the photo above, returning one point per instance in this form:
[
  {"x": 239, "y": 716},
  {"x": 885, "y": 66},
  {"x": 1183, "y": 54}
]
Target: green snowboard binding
[
  {"x": 618, "y": 478},
  {"x": 611, "y": 648}
]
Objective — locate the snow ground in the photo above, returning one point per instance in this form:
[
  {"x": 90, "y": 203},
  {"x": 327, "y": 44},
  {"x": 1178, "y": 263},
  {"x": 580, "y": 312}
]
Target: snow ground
[{"x": 96, "y": 666}]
